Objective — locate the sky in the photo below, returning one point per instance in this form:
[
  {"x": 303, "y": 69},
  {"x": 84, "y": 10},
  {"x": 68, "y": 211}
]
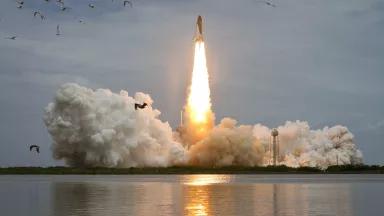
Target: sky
[{"x": 320, "y": 61}]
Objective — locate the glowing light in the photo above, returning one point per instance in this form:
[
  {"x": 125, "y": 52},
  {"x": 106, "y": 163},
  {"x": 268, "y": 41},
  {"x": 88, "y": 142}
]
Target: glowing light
[
  {"x": 202, "y": 180},
  {"x": 199, "y": 193},
  {"x": 199, "y": 116},
  {"x": 199, "y": 101}
]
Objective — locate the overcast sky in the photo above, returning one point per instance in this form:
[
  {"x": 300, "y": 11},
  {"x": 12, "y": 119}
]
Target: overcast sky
[{"x": 321, "y": 61}]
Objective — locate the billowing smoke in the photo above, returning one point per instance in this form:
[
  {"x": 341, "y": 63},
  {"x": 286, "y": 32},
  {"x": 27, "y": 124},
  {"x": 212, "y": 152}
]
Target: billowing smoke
[
  {"x": 102, "y": 128},
  {"x": 228, "y": 144},
  {"x": 301, "y": 146}
]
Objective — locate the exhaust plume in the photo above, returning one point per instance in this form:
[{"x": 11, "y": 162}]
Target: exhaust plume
[
  {"x": 102, "y": 128},
  {"x": 198, "y": 110}
]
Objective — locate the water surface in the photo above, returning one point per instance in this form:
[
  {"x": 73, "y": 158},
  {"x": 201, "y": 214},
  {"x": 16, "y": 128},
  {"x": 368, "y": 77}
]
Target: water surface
[{"x": 104, "y": 195}]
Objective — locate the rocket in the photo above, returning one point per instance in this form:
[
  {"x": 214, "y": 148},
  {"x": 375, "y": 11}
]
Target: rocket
[{"x": 199, "y": 29}]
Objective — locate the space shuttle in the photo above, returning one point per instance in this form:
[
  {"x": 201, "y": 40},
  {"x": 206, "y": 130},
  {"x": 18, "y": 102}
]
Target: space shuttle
[{"x": 199, "y": 29}]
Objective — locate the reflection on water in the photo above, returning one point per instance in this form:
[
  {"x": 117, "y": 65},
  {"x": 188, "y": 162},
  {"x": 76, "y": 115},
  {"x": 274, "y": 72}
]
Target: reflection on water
[
  {"x": 209, "y": 195},
  {"x": 201, "y": 180},
  {"x": 199, "y": 195},
  {"x": 112, "y": 199},
  {"x": 203, "y": 194}
]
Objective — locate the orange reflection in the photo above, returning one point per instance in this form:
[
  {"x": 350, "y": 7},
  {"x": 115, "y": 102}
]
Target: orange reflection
[
  {"x": 198, "y": 192},
  {"x": 200, "y": 180}
]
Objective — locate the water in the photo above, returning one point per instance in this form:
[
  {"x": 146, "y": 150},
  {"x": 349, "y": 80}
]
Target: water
[{"x": 191, "y": 195}]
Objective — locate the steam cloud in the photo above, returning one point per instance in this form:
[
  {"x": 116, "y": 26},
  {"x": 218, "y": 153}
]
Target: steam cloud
[{"x": 102, "y": 128}]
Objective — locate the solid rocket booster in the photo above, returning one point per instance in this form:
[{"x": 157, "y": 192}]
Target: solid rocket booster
[{"x": 199, "y": 29}]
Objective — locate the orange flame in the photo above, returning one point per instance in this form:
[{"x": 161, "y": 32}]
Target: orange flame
[{"x": 198, "y": 109}]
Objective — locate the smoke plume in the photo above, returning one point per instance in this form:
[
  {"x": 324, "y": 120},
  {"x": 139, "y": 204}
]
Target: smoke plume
[
  {"x": 227, "y": 144},
  {"x": 101, "y": 128}
]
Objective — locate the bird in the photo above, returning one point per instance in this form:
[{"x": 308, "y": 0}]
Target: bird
[
  {"x": 61, "y": 2},
  {"x": 20, "y": 2},
  {"x": 128, "y": 2},
  {"x": 91, "y": 5},
  {"x": 36, "y": 13},
  {"x": 268, "y": 3},
  {"x": 31, "y": 147},
  {"x": 40, "y": 14},
  {"x": 58, "y": 30},
  {"x": 19, "y": 6},
  {"x": 63, "y": 8},
  {"x": 141, "y": 106},
  {"x": 11, "y": 38}
]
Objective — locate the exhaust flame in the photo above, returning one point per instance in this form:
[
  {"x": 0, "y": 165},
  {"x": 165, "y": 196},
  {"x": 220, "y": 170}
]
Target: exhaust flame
[
  {"x": 199, "y": 101},
  {"x": 199, "y": 114}
]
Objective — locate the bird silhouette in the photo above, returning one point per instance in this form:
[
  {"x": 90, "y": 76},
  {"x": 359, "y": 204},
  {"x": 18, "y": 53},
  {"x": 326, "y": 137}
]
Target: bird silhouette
[
  {"x": 36, "y": 147},
  {"x": 141, "y": 106},
  {"x": 64, "y": 8},
  {"x": 11, "y": 38},
  {"x": 128, "y": 2},
  {"x": 91, "y": 5},
  {"x": 42, "y": 17},
  {"x": 58, "y": 30},
  {"x": 267, "y": 3}
]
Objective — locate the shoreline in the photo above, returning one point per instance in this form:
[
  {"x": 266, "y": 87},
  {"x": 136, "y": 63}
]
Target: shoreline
[{"x": 175, "y": 170}]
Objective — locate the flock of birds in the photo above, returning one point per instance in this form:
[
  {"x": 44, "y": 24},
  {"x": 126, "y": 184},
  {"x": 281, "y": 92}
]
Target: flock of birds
[{"x": 62, "y": 7}]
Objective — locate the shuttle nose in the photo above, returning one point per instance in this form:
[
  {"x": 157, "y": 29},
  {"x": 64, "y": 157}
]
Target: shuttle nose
[{"x": 200, "y": 24}]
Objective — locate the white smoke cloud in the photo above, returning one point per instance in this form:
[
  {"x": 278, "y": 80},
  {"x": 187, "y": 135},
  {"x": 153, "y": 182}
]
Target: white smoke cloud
[
  {"x": 301, "y": 146},
  {"x": 102, "y": 128}
]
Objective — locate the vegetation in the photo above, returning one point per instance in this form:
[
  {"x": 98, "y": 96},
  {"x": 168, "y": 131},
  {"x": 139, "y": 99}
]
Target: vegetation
[{"x": 345, "y": 169}]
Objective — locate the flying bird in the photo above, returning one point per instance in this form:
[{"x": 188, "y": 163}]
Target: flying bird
[
  {"x": 128, "y": 2},
  {"x": 58, "y": 30},
  {"x": 36, "y": 147},
  {"x": 11, "y": 38},
  {"x": 40, "y": 14},
  {"x": 141, "y": 106},
  {"x": 19, "y": 6},
  {"x": 20, "y": 2},
  {"x": 267, "y": 3},
  {"x": 61, "y": 2},
  {"x": 36, "y": 13},
  {"x": 91, "y": 5},
  {"x": 63, "y": 8}
]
